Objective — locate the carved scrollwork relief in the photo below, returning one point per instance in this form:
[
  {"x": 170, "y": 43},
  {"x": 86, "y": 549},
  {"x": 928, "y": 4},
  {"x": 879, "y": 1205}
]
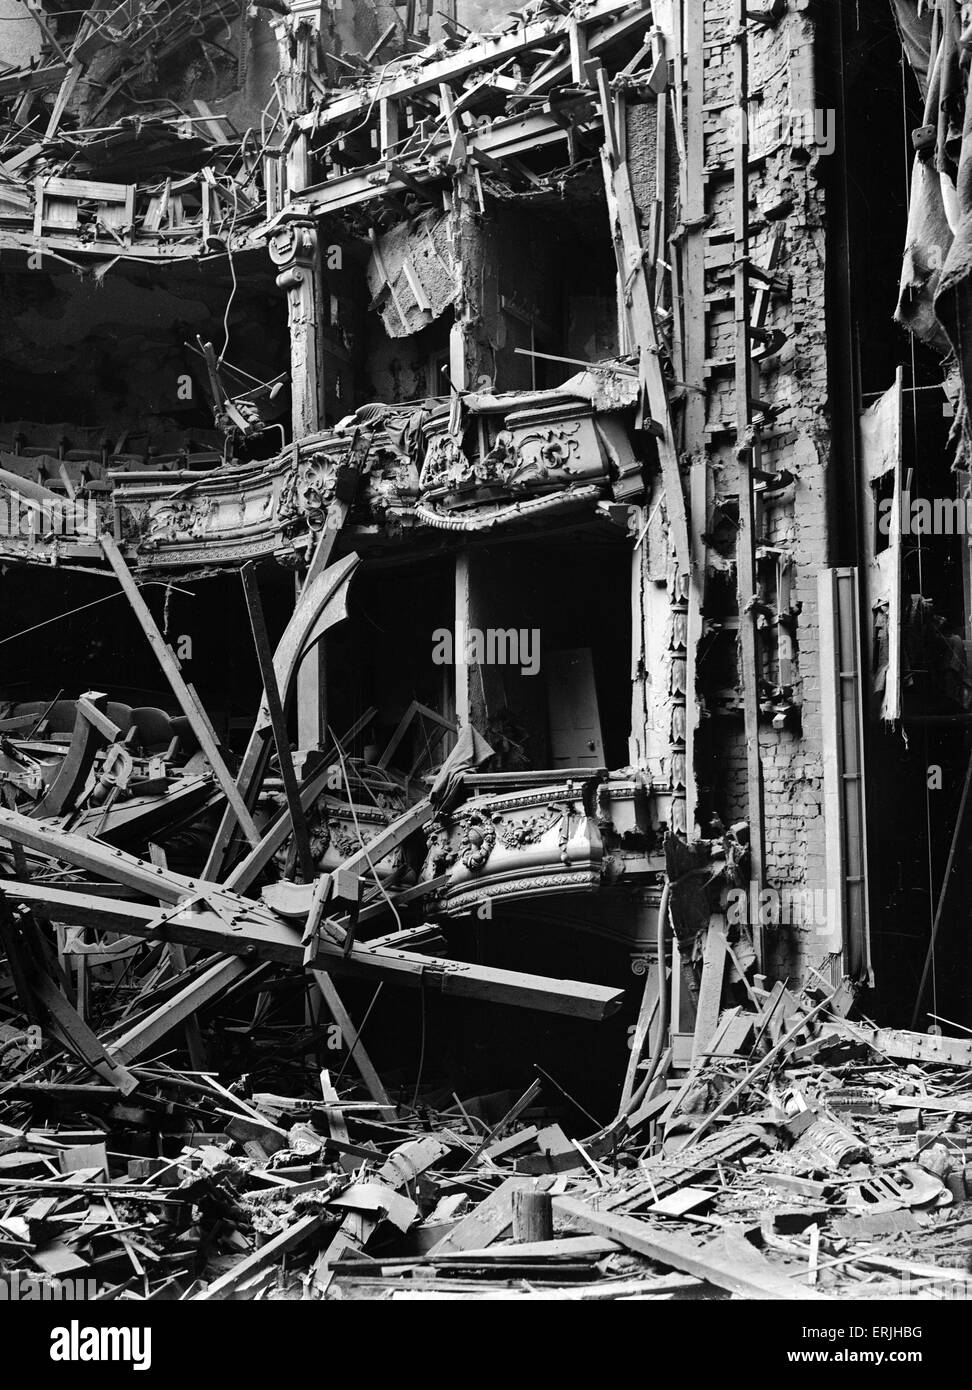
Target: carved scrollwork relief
[
  {"x": 176, "y": 519},
  {"x": 518, "y": 834},
  {"x": 475, "y": 843}
]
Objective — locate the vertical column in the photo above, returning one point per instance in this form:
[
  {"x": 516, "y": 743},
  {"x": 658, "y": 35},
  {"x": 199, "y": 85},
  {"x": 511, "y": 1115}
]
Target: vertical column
[
  {"x": 748, "y": 458},
  {"x": 295, "y": 250},
  {"x": 470, "y": 699},
  {"x": 690, "y": 58},
  {"x": 470, "y": 354}
]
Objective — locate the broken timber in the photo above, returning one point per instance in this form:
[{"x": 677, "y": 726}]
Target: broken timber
[
  {"x": 750, "y": 1277},
  {"x": 188, "y": 700},
  {"x": 217, "y": 919},
  {"x": 637, "y": 296},
  {"x": 321, "y": 604}
]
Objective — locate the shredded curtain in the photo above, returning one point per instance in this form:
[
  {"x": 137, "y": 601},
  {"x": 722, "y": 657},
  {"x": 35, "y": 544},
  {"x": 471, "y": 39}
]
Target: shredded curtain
[{"x": 935, "y": 301}]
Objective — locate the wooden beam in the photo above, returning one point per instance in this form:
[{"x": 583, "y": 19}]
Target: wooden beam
[
  {"x": 743, "y": 1271},
  {"x": 80, "y": 1041},
  {"x": 336, "y": 1123},
  {"x": 322, "y": 603},
  {"x": 178, "y": 1009},
  {"x": 186, "y": 696},
  {"x": 490, "y": 50},
  {"x": 352, "y": 1038},
  {"x": 388, "y": 126},
  {"x": 710, "y": 991},
  {"x": 922, "y": 1047},
  {"x": 278, "y": 722},
  {"x": 646, "y": 1017},
  {"x": 177, "y": 954},
  {"x": 390, "y": 838},
  {"x": 959, "y": 1105},
  {"x": 256, "y": 932},
  {"x": 263, "y": 1258},
  {"x": 256, "y": 861},
  {"x": 96, "y": 858},
  {"x": 312, "y": 671}
]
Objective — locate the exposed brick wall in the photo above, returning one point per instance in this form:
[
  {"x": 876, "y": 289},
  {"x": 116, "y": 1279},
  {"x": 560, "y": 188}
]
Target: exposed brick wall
[{"x": 786, "y": 194}]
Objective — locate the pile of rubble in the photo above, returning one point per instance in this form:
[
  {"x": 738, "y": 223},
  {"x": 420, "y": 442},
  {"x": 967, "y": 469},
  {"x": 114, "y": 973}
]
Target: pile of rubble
[{"x": 803, "y": 1156}]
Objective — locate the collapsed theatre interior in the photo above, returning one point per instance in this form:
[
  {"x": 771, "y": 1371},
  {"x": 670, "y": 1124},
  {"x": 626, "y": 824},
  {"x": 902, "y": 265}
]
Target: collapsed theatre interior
[{"x": 469, "y": 685}]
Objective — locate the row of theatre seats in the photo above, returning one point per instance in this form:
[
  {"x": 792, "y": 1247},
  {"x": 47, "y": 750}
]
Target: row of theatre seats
[{"x": 154, "y": 728}]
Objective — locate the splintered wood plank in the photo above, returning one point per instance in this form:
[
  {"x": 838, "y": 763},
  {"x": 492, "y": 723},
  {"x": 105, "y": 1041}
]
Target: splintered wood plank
[
  {"x": 335, "y": 1120},
  {"x": 558, "y": 1248},
  {"x": 58, "y": 1260},
  {"x": 684, "y": 1199},
  {"x": 72, "y": 1029},
  {"x": 177, "y": 954},
  {"x": 644, "y": 330},
  {"x": 260, "y": 1259},
  {"x": 646, "y": 1017},
  {"x": 730, "y": 1263},
  {"x": 961, "y": 1105},
  {"x": 710, "y": 992},
  {"x": 81, "y": 1156},
  {"x": 491, "y": 1218},
  {"x": 411, "y": 1159},
  {"x": 278, "y": 719}
]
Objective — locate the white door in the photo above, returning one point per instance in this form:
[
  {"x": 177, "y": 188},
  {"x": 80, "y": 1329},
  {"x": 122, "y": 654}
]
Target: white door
[{"x": 575, "y": 724}]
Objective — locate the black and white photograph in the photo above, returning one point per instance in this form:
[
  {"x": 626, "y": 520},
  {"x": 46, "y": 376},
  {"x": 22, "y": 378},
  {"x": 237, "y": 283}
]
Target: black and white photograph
[{"x": 485, "y": 680}]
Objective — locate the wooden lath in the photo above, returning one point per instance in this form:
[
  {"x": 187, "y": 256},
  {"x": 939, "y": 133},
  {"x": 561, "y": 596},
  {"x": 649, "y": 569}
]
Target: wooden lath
[{"x": 57, "y": 206}]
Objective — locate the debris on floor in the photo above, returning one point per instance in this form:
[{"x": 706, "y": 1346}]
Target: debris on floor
[
  {"x": 820, "y": 1158},
  {"x": 485, "y": 433}
]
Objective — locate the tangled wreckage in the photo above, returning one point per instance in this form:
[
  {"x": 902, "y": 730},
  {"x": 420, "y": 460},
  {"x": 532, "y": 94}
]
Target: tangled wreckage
[{"x": 483, "y": 429}]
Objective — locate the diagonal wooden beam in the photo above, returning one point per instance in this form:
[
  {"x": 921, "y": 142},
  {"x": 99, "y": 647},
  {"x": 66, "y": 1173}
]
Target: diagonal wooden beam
[
  {"x": 256, "y": 932},
  {"x": 322, "y": 603},
  {"x": 188, "y": 699},
  {"x": 77, "y": 1037},
  {"x": 177, "y": 1010},
  {"x": 177, "y": 955},
  {"x": 213, "y": 917},
  {"x": 358, "y": 1055},
  {"x": 278, "y": 721},
  {"x": 256, "y": 861}
]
